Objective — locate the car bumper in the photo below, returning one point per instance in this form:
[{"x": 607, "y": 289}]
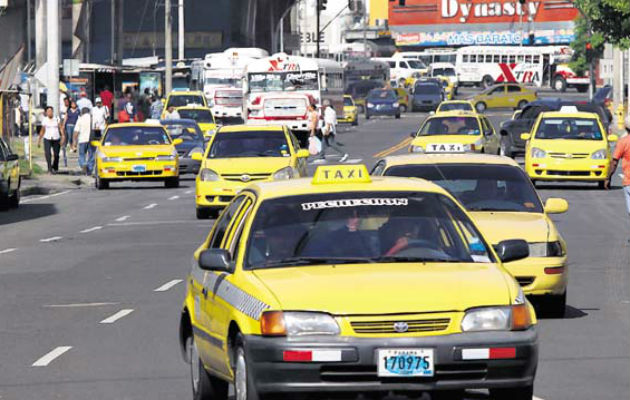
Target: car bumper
[
  {"x": 216, "y": 194},
  {"x": 539, "y": 276},
  {"x": 227, "y": 112},
  {"x": 383, "y": 111},
  {"x": 568, "y": 170},
  {"x": 188, "y": 166},
  {"x": 122, "y": 172},
  {"x": 425, "y": 106},
  {"x": 357, "y": 370},
  {"x": 294, "y": 125}
]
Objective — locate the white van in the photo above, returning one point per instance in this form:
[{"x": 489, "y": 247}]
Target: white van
[
  {"x": 400, "y": 69},
  {"x": 446, "y": 70}
]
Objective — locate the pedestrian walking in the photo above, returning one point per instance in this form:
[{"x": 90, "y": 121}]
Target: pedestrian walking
[
  {"x": 82, "y": 136},
  {"x": 328, "y": 133},
  {"x": 53, "y": 135},
  {"x": 17, "y": 119},
  {"x": 622, "y": 152},
  {"x": 171, "y": 113},
  {"x": 69, "y": 120},
  {"x": 108, "y": 99},
  {"x": 130, "y": 107},
  {"x": 84, "y": 102},
  {"x": 100, "y": 115},
  {"x": 156, "y": 107}
]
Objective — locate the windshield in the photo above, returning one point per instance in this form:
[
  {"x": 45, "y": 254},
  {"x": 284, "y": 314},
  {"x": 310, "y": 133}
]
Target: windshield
[
  {"x": 134, "y": 136},
  {"x": 427, "y": 89},
  {"x": 203, "y": 116},
  {"x": 443, "y": 72},
  {"x": 380, "y": 94},
  {"x": 478, "y": 187},
  {"x": 450, "y": 126},
  {"x": 249, "y": 144},
  {"x": 279, "y": 81},
  {"x": 569, "y": 128},
  {"x": 456, "y": 107},
  {"x": 232, "y": 82},
  {"x": 187, "y": 133},
  {"x": 347, "y": 101},
  {"x": 362, "y": 227},
  {"x": 182, "y": 100},
  {"x": 416, "y": 64}
]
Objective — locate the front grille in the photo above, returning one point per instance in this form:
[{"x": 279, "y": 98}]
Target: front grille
[
  {"x": 576, "y": 156},
  {"x": 139, "y": 159},
  {"x": 238, "y": 177},
  {"x": 569, "y": 173},
  {"x": 414, "y": 326},
  {"x": 525, "y": 280},
  {"x": 143, "y": 173},
  {"x": 368, "y": 373}
]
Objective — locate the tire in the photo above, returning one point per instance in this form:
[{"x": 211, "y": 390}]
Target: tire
[
  {"x": 14, "y": 200},
  {"x": 397, "y": 116},
  {"x": 172, "y": 182},
  {"x": 487, "y": 81},
  {"x": 600, "y": 185},
  {"x": 101, "y": 184},
  {"x": 480, "y": 107},
  {"x": 356, "y": 121},
  {"x": 559, "y": 84},
  {"x": 521, "y": 104},
  {"x": 244, "y": 388},
  {"x": 403, "y": 108},
  {"x": 554, "y": 306},
  {"x": 518, "y": 393},
  {"x": 204, "y": 386}
]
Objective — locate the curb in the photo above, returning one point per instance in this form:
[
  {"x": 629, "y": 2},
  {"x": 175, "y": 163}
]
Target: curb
[{"x": 43, "y": 187}]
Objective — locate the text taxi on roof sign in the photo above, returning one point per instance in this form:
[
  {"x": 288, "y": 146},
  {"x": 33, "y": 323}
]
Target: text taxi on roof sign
[{"x": 265, "y": 311}]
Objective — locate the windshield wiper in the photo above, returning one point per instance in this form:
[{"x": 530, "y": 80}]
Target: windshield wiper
[
  {"x": 413, "y": 259},
  {"x": 298, "y": 261}
]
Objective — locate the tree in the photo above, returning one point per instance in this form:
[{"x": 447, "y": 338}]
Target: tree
[
  {"x": 610, "y": 18},
  {"x": 586, "y": 46}
]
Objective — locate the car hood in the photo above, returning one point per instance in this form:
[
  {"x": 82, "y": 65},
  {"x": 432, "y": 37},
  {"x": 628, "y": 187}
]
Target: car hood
[
  {"x": 136, "y": 151},
  {"x": 569, "y": 146},
  {"x": 387, "y": 288},
  {"x": 498, "y": 226},
  {"x": 247, "y": 165}
]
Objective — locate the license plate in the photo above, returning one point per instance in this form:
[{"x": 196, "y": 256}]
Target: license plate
[
  {"x": 445, "y": 148},
  {"x": 405, "y": 362},
  {"x": 139, "y": 168}
]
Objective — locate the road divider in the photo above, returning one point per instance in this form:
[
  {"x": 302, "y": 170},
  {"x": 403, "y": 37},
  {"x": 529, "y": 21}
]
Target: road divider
[
  {"x": 384, "y": 153},
  {"x": 50, "y": 357},
  {"x": 167, "y": 285},
  {"x": 120, "y": 314}
]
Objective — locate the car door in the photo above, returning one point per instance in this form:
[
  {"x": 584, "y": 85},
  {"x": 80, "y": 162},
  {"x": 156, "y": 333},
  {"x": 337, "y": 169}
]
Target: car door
[
  {"x": 524, "y": 124},
  {"x": 210, "y": 344},
  {"x": 496, "y": 97},
  {"x": 299, "y": 163},
  {"x": 514, "y": 94},
  {"x": 491, "y": 139},
  {"x": 4, "y": 172}
]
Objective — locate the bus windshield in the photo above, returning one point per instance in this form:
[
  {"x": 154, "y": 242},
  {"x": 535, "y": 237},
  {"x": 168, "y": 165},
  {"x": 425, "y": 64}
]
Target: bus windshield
[
  {"x": 280, "y": 81},
  {"x": 232, "y": 82}
]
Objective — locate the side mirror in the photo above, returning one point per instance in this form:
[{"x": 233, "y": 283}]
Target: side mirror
[
  {"x": 95, "y": 143},
  {"x": 613, "y": 138},
  {"x": 303, "y": 153},
  {"x": 526, "y": 136},
  {"x": 197, "y": 156},
  {"x": 177, "y": 141},
  {"x": 555, "y": 205},
  {"x": 432, "y": 113},
  {"x": 412, "y": 134},
  {"x": 215, "y": 260},
  {"x": 13, "y": 157},
  {"x": 512, "y": 250}
]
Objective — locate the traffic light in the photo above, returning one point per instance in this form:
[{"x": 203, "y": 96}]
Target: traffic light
[
  {"x": 589, "y": 52},
  {"x": 322, "y": 4}
]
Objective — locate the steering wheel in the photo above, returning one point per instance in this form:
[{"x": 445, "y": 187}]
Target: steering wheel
[
  {"x": 413, "y": 243},
  {"x": 153, "y": 141}
]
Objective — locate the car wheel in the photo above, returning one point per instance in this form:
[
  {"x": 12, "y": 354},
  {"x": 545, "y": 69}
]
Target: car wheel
[
  {"x": 554, "y": 306},
  {"x": 367, "y": 115},
  {"x": 244, "y": 388},
  {"x": 487, "y": 81},
  {"x": 518, "y": 393},
  {"x": 480, "y": 107},
  {"x": 559, "y": 84},
  {"x": 14, "y": 200},
  {"x": 521, "y": 104},
  {"x": 403, "y": 108},
  {"x": 172, "y": 182},
  {"x": 101, "y": 184},
  {"x": 204, "y": 386},
  {"x": 397, "y": 116},
  {"x": 356, "y": 121}
]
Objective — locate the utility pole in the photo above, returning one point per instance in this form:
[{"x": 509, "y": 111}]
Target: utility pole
[
  {"x": 120, "y": 40},
  {"x": 29, "y": 31},
  {"x": 53, "y": 54},
  {"x": 181, "y": 31},
  {"x": 317, "y": 30},
  {"x": 40, "y": 32},
  {"x": 112, "y": 23},
  {"x": 168, "y": 47}
]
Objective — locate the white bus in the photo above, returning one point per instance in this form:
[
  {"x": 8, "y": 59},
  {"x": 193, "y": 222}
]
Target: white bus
[
  {"x": 277, "y": 89},
  {"x": 485, "y": 65},
  {"x": 430, "y": 56}
]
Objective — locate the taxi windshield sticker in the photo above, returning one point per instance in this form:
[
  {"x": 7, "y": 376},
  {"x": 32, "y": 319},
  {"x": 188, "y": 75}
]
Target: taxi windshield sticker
[{"x": 341, "y": 203}]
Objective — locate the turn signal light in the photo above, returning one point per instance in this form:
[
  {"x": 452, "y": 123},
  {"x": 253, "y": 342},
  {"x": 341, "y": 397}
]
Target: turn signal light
[
  {"x": 554, "y": 270},
  {"x": 272, "y": 324},
  {"x": 521, "y": 319}
]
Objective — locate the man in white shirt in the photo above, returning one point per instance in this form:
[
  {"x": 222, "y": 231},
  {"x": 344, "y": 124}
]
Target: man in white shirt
[
  {"x": 100, "y": 115},
  {"x": 84, "y": 102},
  {"x": 171, "y": 113},
  {"x": 82, "y": 136},
  {"x": 328, "y": 132},
  {"x": 54, "y": 137}
]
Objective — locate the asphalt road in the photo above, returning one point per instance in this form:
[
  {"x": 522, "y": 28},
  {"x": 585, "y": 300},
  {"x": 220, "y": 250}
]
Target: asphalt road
[{"x": 90, "y": 288}]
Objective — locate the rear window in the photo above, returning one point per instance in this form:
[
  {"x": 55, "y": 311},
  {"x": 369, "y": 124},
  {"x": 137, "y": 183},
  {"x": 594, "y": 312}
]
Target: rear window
[
  {"x": 382, "y": 94},
  {"x": 427, "y": 89},
  {"x": 183, "y": 100},
  {"x": 347, "y": 101},
  {"x": 569, "y": 128}
]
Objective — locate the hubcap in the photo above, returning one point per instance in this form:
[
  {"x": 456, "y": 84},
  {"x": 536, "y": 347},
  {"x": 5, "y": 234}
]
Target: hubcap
[
  {"x": 194, "y": 364},
  {"x": 558, "y": 85},
  {"x": 240, "y": 379}
]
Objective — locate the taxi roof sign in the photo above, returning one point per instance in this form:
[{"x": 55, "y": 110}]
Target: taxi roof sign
[
  {"x": 569, "y": 109},
  {"x": 332, "y": 174}
]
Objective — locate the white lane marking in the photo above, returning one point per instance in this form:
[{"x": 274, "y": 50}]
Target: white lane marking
[
  {"x": 153, "y": 223},
  {"x": 150, "y": 206},
  {"x": 79, "y": 305},
  {"x": 117, "y": 316},
  {"x": 48, "y": 358},
  {"x": 51, "y": 239},
  {"x": 173, "y": 197},
  {"x": 45, "y": 197},
  {"x": 5, "y": 251},
  {"x": 537, "y": 398},
  {"x": 92, "y": 229},
  {"x": 167, "y": 285},
  {"x": 123, "y": 218},
  {"x": 188, "y": 192}
]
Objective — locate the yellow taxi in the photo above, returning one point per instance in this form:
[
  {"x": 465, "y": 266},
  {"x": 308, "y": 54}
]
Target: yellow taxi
[
  {"x": 238, "y": 155},
  {"x": 568, "y": 146},
  {"x": 180, "y": 99},
  {"x": 455, "y": 105},
  {"x": 403, "y": 98},
  {"x": 351, "y": 283},
  {"x": 456, "y": 132},
  {"x": 448, "y": 85},
  {"x": 504, "y": 204},
  {"x": 10, "y": 180},
  {"x": 504, "y": 95},
  {"x": 136, "y": 152},
  {"x": 202, "y": 115},
  {"x": 350, "y": 111}
]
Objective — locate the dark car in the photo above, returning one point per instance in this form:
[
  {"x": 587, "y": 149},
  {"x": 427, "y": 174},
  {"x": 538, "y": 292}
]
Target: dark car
[
  {"x": 359, "y": 91},
  {"x": 189, "y": 131},
  {"x": 427, "y": 96},
  {"x": 511, "y": 130},
  {"x": 9, "y": 177},
  {"x": 382, "y": 102}
]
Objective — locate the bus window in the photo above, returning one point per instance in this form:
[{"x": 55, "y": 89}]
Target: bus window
[
  {"x": 512, "y": 58},
  {"x": 465, "y": 58},
  {"x": 488, "y": 58},
  {"x": 519, "y": 58},
  {"x": 504, "y": 58},
  {"x": 497, "y": 58},
  {"x": 473, "y": 58},
  {"x": 528, "y": 59},
  {"x": 536, "y": 59}
]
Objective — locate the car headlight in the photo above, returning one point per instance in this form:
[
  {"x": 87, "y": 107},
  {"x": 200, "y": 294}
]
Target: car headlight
[
  {"x": 165, "y": 157},
  {"x": 285, "y": 173},
  {"x": 538, "y": 153},
  {"x": 600, "y": 155},
  {"x": 396, "y": 105},
  {"x": 195, "y": 150},
  {"x": 208, "y": 175},
  {"x": 106, "y": 159},
  {"x": 278, "y": 323},
  {"x": 546, "y": 249},
  {"x": 370, "y": 105},
  {"x": 487, "y": 319},
  {"x": 416, "y": 149}
]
